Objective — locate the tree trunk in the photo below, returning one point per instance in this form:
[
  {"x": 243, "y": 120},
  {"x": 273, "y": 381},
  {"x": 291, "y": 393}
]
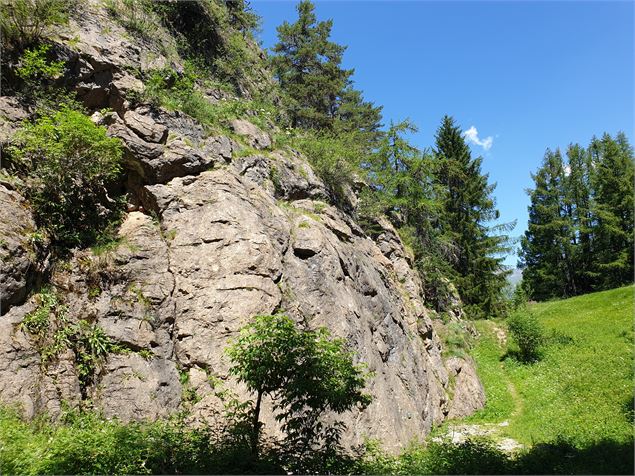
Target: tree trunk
[{"x": 255, "y": 433}]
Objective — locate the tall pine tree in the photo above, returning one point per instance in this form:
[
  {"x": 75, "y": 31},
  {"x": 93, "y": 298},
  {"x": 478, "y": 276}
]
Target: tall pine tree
[
  {"x": 308, "y": 67},
  {"x": 467, "y": 210},
  {"x": 612, "y": 181},
  {"x": 546, "y": 246},
  {"x": 319, "y": 92}
]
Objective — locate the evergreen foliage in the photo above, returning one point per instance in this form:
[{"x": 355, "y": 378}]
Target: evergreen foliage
[
  {"x": 580, "y": 232},
  {"x": 441, "y": 204},
  {"x": 318, "y": 90},
  {"x": 467, "y": 207},
  {"x": 402, "y": 187},
  {"x": 612, "y": 181},
  {"x": 308, "y": 67}
]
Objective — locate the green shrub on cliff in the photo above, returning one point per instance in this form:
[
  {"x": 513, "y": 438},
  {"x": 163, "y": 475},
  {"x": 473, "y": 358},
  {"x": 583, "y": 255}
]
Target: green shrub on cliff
[
  {"x": 24, "y": 22},
  {"x": 70, "y": 163}
]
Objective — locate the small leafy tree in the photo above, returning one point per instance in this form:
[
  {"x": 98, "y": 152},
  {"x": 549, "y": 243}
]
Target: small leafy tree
[
  {"x": 38, "y": 71},
  {"x": 527, "y": 333},
  {"x": 69, "y": 163},
  {"x": 306, "y": 372},
  {"x": 35, "y": 68}
]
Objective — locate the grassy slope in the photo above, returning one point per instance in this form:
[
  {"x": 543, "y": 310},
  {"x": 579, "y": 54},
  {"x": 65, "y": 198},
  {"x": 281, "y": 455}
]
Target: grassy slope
[{"x": 580, "y": 391}]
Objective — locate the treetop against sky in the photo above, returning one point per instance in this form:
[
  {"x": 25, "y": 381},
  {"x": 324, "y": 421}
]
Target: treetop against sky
[{"x": 519, "y": 77}]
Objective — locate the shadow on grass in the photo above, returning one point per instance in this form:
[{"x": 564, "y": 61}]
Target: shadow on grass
[
  {"x": 518, "y": 357},
  {"x": 483, "y": 457},
  {"x": 561, "y": 457}
]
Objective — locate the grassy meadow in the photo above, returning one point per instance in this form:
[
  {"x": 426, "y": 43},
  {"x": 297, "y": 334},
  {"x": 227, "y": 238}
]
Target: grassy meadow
[{"x": 578, "y": 398}]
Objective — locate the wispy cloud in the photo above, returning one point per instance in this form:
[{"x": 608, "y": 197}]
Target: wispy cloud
[{"x": 472, "y": 136}]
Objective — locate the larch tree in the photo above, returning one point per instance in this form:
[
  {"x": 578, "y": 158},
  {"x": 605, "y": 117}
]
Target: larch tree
[{"x": 612, "y": 182}]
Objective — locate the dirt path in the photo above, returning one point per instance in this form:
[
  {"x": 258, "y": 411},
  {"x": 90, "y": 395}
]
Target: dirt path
[
  {"x": 501, "y": 335},
  {"x": 518, "y": 402},
  {"x": 459, "y": 433}
]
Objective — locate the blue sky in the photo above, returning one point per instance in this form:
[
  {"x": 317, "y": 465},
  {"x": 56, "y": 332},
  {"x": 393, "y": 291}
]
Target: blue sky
[{"x": 525, "y": 75}]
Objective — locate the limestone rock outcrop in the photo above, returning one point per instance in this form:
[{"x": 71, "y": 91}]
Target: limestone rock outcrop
[{"x": 210, "y": 240}]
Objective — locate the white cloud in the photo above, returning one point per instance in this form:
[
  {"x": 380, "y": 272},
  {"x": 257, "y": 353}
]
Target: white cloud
[
  {"x": 567, "y": 170},
  {"x": 472, "y": 136}
]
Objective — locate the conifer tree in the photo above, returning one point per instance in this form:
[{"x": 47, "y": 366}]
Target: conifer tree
[
  {"x": 612, "y": 181},
  {"x": 402, "y": 189},
  {"x": 580, "y": 233},
  {"x": 241, "y": 15},
  {"x": 545, "y": 247},
  {"x": 467, "y": 208},
  {"x": 577, "y": 200},
  {"x": 354, "y": 115},
  {"x": 308, "y": 67}
]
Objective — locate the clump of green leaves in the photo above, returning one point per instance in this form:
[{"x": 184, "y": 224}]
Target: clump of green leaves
[
  {"x": 24, "y": 22},
  {"x": 306, "y": 373},
  {"x": 527, "y": 334},
  {"x": 89, "y": 344},
  {"x": 70, "y": 163},
  {"x": 35, "y": 67},
  {"x": 37, "y": 321},
  {"x": 38, "y": 71}
]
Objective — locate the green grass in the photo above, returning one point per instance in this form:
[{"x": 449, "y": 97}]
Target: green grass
[
  {"x": 580, "y": 393},
  {"x": 487, "y": 352},
  {"x": 583, "y": 389}
]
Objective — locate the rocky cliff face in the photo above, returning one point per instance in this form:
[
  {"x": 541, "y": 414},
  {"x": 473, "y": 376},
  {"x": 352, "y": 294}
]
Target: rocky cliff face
[{"x": 214, "y": 236}]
